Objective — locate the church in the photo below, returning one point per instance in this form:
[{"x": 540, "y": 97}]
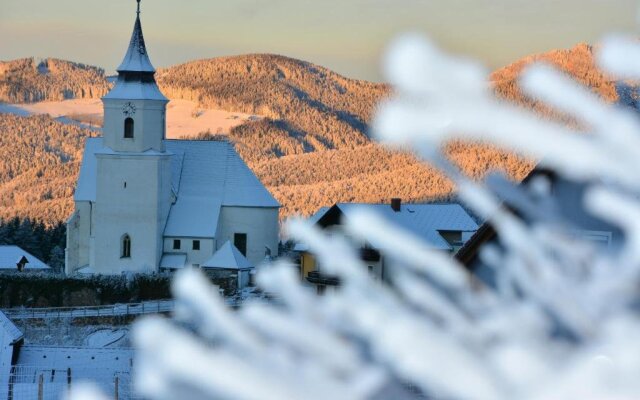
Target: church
[{"x": 145, "y": 204}]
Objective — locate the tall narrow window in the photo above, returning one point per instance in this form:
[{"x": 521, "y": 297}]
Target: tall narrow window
[
  {"x": 128, "y": 128},
  {"x": 196, "y": 245},
  {"x": 240, "y": 241},
  {"x": 126, "y": 247},
  {"x": 176, "y": 244}
]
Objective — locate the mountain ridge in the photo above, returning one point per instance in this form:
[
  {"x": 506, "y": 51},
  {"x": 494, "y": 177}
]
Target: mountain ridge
[{"x": 312, "y": 148}]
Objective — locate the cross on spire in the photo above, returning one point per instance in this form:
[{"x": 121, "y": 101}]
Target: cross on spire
[{"x": 138, "y": 12}]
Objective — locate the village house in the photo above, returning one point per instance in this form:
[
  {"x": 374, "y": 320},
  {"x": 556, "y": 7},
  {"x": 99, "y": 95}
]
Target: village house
[
  {"x": 443, "y": 226},
  {"x": 563, "y": 199},
  {"x": 145, "y": 204},
  {"x": 14, "y": 259}
]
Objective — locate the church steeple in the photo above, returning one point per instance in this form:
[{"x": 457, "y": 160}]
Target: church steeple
[
  {"x": 135, "y": 108},
  {"x": 137, "y": 58}
]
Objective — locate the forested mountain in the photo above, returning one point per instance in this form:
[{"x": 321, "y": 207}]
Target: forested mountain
[
  {"x": 308, "y": 108},
  {"x": 39, "y": 162},
  {"x": 26, "y": 81},
  {"x": 311, "y": 150},
  {"x": 579, "y": 62}
]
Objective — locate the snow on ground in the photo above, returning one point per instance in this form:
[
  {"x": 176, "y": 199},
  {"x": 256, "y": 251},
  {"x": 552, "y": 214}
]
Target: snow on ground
[
  {"x": 64, "y": 108},
  {"x": 105, "y": 337},
  {"x": 11, "y": 109},
  {"x": 68, "y": 332},
  {"x": 184, "y": 118}
]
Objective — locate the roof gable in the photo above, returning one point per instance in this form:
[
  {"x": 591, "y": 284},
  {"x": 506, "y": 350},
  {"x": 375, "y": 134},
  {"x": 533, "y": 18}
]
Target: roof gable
[
  {"x": 10, "y": 256},
  {"x": 13, "y": 332},
  {"x": 228, "y": 257}
]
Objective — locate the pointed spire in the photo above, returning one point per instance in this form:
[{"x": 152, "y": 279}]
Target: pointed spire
[{"x": 136, "y": 59}]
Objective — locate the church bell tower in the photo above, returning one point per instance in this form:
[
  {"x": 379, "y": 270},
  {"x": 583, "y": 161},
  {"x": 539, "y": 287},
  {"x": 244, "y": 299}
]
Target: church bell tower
[
  {"x": 133, "y": 188},
  {"x": 134, "y": 110}
]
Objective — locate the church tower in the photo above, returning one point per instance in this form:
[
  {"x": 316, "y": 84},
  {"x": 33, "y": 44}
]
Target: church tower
[{"x": 133, "y": 182}]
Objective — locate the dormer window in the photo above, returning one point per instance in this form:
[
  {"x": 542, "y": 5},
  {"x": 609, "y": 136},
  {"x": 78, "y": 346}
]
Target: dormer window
[{"x": 128, "y": 128}]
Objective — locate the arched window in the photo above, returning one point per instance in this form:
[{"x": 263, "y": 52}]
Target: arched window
[
  {"x": 128, "y": 128},
  {"x": 126, "y": 247}
]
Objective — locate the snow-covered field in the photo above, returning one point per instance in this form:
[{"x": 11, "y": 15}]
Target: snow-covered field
[
  {"x": 184, "y": 118},
  {"x": 106, "y": 337},
  {"x": 65, "y": 332}
]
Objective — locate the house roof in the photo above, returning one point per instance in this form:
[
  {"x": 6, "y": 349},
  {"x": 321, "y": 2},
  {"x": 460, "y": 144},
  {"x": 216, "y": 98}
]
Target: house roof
[
  {"x": 206, "y": 175},
  {"x": 10, "y": 328},
  {"x": 228, "y": 257},
  {"x": 11, "y": 255},
  {"x": 423, "y": 220}
]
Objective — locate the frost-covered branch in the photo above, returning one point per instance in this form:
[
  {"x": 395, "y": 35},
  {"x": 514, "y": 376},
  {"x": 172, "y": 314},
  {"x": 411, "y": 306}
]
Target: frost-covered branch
[{"x": 560, "y": 321}]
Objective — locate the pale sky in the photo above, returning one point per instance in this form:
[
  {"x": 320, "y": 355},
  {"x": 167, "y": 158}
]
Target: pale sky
[{"x": 347, "y": 36}]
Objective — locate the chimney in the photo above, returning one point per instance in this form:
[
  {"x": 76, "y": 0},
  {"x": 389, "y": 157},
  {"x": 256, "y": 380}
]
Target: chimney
[{"x": 396, "y": 204}]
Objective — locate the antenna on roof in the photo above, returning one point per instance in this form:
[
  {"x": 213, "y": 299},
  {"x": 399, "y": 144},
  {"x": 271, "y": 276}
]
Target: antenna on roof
[{"x": 138, "y": 7}]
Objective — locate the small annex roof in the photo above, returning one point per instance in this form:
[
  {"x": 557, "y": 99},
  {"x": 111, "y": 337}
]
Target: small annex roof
[
  {"x": 10, "y": 256},
  {"x": 206, "y": 175},
  {"x": 228, "y": 257},
  {"x": 173, "y": 261},
  {"x": 425, "y": 221},
  {"x": 193, "y": 216}
]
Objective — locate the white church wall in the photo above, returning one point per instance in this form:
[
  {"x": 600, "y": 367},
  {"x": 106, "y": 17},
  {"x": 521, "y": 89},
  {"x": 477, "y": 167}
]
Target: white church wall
[
  {"x": 260, "y": 224},
  {"x": 207, "y": 248},
  {"x": 85, "y": 212},
  {"x": 133, "y": 195},
  {"x": 71, "y": 252},
  {"x": 78, "y": 237},
  {"x": 6, "y": 355}
]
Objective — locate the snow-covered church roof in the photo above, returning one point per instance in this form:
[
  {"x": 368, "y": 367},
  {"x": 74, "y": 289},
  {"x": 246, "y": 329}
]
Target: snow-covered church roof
[
  {"x": 228, "y": 257},
  {"x": 206, "y": 175}
]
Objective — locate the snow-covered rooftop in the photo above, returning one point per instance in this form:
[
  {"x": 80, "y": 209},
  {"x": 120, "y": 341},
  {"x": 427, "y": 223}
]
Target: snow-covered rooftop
[
  {"x": 123, "y": 90},
  {"x": 10, "y": 329},
  {"x": 423, "y": 220},
  {"x": 11, "y": 255},
  {"x": 228, "y": 257},
  {"x": 205, "y": 176},
  {"x": 184, "y": 222},
  {"x": 173, "y": 261}
]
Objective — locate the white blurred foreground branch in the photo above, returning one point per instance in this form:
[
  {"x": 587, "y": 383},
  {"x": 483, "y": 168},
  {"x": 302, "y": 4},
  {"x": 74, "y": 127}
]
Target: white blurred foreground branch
[{"x": 561, "y": 322}]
